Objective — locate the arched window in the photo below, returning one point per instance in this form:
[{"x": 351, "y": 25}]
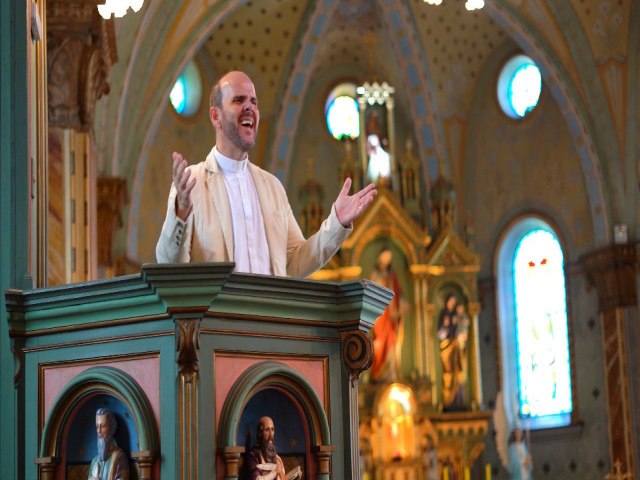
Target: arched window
[{"x": 532, "y": 308}]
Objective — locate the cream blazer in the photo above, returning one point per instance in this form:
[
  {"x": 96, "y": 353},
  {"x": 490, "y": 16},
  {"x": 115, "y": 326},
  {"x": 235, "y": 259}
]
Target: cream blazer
[{"x": 207, "y": 234}]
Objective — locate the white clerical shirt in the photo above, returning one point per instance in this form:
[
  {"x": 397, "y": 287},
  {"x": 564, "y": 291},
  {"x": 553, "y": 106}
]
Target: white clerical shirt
[{"x": 251, "y": 251}]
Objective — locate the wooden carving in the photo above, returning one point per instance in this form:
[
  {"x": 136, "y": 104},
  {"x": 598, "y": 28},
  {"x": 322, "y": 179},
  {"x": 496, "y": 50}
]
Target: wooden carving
[
  {"x": 187, "y": 346},
  {"x": 357, "y": 352},
  {"x": 80, "y": 52}
]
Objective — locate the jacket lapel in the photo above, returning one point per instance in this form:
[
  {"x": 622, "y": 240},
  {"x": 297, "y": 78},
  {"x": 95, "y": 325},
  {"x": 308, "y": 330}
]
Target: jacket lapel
[
  {"x": 265, "y": 200},
  {"x": 218, "y": 192}
]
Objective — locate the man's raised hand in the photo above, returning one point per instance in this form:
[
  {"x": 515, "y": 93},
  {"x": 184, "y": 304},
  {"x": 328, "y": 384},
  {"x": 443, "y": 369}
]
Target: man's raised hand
[
  {"x": 183, "y": 186},
  {"x": 350, "y": 207}
]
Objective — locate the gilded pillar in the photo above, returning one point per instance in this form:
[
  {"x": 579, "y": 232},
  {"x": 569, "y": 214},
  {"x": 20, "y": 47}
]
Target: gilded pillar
[
  {"x": 423, "y": 321},
  {"x": 474, "y": 357},
  {"x": 613, "y": 272}
]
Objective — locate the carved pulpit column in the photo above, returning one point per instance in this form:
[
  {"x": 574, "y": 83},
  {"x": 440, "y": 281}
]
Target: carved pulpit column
[
  {"x": 188, "y": 360},
  {"x": 357, "y": 355},
  {"x": 613, "y": 271}
]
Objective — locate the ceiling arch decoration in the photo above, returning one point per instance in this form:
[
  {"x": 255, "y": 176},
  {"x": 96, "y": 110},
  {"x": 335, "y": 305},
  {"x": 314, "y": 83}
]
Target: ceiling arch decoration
[
  {"x": 419, "y": 84},
  {"x": 281, "y": 141},
  {"x": 401, "y": 34},
  {"x": 601, "y": 47},
  {"x": 573, "y": 108}
]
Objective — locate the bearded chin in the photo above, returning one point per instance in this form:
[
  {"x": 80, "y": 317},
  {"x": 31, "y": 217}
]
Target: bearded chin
[
  {"x": 269, "y": 451},
  {"x": 231, "y": 131},
  {"x": 102, "y": 449}
]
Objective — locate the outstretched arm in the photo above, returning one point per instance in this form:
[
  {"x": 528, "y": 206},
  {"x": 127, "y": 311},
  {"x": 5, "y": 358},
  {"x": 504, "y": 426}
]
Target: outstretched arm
[{"x": 306, "y": 256}]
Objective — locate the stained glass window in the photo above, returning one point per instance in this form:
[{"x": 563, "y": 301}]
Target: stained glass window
[
  {"x": 342, "y": 112},
  {"x": 186, "y": 93},
  {"x": 519, "y": 86},
  {"x": 542, "y": 343}
]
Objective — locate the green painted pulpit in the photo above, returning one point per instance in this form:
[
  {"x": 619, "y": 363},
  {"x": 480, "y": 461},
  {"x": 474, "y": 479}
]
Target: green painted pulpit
[{"x": 189, "y": 357}]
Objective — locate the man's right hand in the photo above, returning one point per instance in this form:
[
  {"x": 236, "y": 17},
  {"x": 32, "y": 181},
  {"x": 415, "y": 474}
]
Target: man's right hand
[{"x": 183, "y": 186}]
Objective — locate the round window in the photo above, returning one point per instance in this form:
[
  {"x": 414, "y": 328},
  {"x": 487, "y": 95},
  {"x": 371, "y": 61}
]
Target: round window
[
  {"x": 519, "y": 86},
  {"x": 186, "y": 93},
  {"x": 342, "y": 112}
]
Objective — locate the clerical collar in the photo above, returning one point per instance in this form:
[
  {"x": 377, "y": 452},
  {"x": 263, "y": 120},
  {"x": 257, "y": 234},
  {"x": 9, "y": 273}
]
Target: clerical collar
[{"x": 229, "y": 165}]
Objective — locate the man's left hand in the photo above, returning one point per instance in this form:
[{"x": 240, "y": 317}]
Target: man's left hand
[{"x": 350, "y": 207}]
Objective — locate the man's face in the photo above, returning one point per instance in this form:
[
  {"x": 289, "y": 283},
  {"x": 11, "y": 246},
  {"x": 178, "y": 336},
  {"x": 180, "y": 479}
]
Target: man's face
[
  {"x": 102, "y": 427},
  {"x": 268, "y": 431},
  {"x": 237, "y": 121}
]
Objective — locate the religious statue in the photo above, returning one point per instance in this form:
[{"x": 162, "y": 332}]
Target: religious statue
[
  {"x": 387, "y": 330},
  {"x": 263, "y": 462},
  {"x": 453, "y": 327},
  {"x": 511, "y": 441},
  {"x": 111, "y": 463},
  {"x": 379, "y": 159},
  {"x": 520, "y": 463}
]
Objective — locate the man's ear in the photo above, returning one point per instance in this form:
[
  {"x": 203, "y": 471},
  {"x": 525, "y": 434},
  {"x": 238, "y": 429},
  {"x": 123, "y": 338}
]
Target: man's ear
[{"x": 214, "y": 115}]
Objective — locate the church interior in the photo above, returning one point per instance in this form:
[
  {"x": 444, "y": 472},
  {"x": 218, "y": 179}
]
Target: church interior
[{"x": 479, "y": 322}]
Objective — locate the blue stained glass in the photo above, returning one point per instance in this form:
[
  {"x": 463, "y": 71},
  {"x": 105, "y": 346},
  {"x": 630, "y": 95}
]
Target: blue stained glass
[
  {"x": 343, "y": 118},
  {"x": 544, "y": 377},
  {"x": 178, "y": 95},
  {"x": 524, "y": 89}
]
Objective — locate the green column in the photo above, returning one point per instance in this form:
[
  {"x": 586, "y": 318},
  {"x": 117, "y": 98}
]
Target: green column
[{"x": 14, "y": 138}]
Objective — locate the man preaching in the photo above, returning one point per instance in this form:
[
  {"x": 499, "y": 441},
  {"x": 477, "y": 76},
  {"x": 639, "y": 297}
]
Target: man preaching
[{"x": 228, "y": 209}]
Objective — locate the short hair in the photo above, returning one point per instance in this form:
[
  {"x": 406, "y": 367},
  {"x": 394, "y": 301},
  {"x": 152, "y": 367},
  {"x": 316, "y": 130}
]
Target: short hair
[
  {"x": 215, "y": 99},
  {"x": 111, "y": 419}
]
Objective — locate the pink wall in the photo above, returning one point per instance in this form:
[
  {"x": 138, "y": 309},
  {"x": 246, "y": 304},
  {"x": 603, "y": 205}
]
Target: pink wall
[{"x": 145, "y": 371}]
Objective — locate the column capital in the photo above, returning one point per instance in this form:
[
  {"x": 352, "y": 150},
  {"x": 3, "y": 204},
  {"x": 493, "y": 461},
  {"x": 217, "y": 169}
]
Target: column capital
[{"x": 613, "y": 271}]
